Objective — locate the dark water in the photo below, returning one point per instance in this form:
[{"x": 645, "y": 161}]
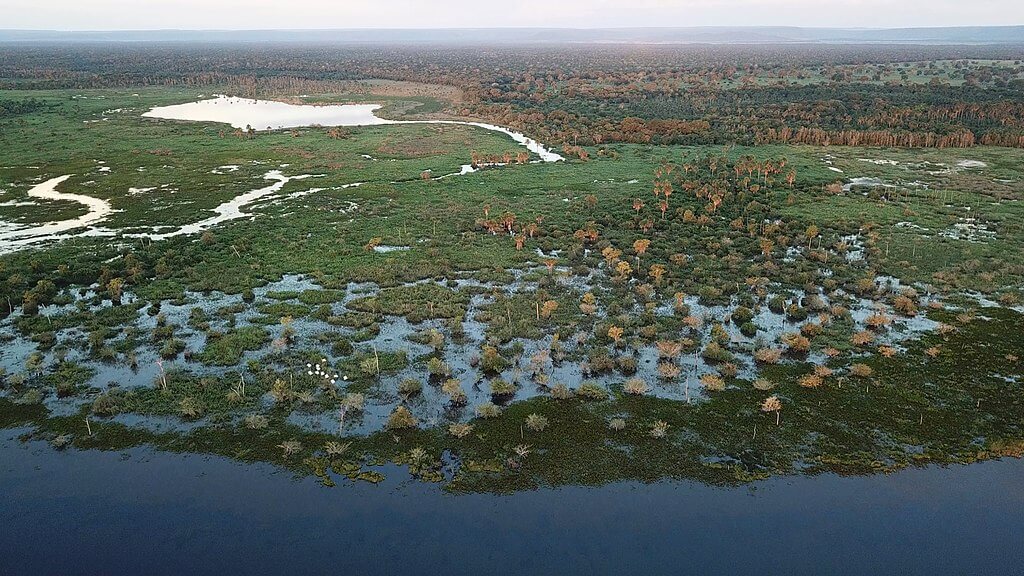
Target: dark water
[{"x": 148, "y": 513}]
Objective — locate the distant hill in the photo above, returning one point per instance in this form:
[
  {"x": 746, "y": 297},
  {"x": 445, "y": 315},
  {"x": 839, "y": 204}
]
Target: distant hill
[{"x": 692, "y": 35}]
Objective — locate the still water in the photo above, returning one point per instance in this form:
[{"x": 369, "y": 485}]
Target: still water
[{"x": 146, "y": 512}]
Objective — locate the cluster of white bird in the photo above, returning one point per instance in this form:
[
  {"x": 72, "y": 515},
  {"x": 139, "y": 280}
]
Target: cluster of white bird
[{"x": 324, "y": 372}]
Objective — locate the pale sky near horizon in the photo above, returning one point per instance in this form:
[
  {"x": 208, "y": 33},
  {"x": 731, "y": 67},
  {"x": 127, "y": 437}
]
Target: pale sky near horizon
[{"x": 322, "y": 14}]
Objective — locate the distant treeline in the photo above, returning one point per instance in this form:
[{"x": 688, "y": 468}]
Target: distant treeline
[{"x": 918, "y": 96}]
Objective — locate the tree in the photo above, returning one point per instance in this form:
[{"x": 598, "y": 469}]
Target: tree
[
  {"x": 772, "y": 404},
  {"x": 615, "y": 333},
  {"x": 812, "y": 233},
  {"x": 657, "y": 271},
  {"x": 641, "y": 246}
]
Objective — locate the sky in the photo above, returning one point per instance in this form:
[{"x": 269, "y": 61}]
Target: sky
[{"x": 321, "y": 14}]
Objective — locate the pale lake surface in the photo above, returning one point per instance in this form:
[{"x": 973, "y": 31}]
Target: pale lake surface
[{"x": 154, "y": 513}]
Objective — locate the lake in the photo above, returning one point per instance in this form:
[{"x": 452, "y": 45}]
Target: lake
[{"x": 146, "y": 512}]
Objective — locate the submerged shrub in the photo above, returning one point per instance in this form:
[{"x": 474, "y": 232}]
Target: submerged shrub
[
  {"x": 290, "y": 447},
  {"x": 335, "y": 449}
]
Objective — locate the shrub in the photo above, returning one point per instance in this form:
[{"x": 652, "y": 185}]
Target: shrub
[
  {"x": 438, "y": 368},
  {"x": 256, "y": 422},
  {"x": 561, "y": 392},
  {"x": 659, "y": 430},
  {"x": 401, "y": 418},
  {"x": 536, "y": 422},
  {"x": 410, "y": 387},
  {"x": 190, "y": 408},
  {"x": 627, "y": 365},
  {"x": 592, "y": 391},
  {"x": 501, "y": 388},
  {"x": 488, "y": 410},
  {"x": 714, "y": 352},
  {"x": 460, "y": 430},
  {"x": 810, "y": 381},
  {"x": 491, "y": 360},
  {"x": 636, "y": 387},
  {"x": 453, "y": 388},
  {"x": 861, "y": 370},
  {"x": 796, "y": 343},
  {"x": 617, "y": 424},
  {"x": 106, "y": 404},
  {"x": 712, "y": 382}
]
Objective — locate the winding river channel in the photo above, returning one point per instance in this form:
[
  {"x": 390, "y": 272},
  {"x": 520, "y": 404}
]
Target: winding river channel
[{"x": 240, "y": 113}]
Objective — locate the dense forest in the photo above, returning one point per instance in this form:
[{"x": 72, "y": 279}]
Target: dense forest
[{"x": 914, "y": 96}]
